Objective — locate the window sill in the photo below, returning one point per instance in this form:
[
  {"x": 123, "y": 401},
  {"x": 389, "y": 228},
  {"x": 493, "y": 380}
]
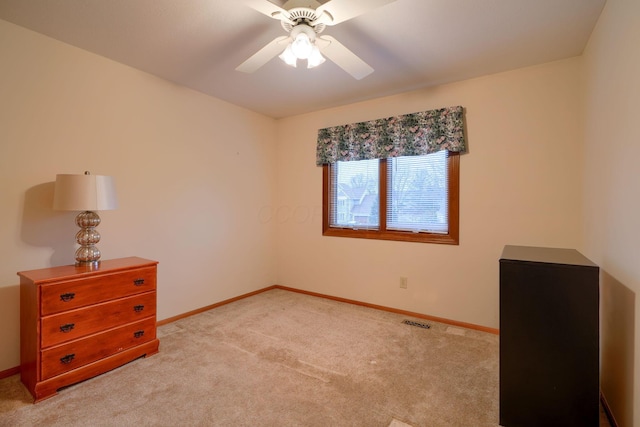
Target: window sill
[{"x": 403, "y": 236}]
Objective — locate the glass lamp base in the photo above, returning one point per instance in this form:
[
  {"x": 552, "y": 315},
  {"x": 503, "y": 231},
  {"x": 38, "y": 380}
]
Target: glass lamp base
[{"x": 87, "y": 254}]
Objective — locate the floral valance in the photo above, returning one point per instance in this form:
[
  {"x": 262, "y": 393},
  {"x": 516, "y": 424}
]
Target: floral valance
[{"x": 407, "y": 135}]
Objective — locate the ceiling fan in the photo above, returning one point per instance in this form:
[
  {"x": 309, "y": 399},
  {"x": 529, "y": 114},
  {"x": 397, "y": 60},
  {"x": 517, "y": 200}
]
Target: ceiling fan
[{"x": 304, "y": 20}]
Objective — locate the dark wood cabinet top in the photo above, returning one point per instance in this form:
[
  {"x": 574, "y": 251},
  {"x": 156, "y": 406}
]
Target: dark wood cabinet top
[{"x": 545, "y": 255}]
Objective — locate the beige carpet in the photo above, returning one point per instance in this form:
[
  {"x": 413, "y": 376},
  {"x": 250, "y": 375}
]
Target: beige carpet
[{"x": 285, "y": 359}]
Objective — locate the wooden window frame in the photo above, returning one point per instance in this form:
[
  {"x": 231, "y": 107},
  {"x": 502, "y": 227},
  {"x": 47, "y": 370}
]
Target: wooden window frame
[{"x": 451, "y": 238}]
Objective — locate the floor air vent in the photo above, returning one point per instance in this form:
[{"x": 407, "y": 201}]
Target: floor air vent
[{"x": 418, "y": 324}]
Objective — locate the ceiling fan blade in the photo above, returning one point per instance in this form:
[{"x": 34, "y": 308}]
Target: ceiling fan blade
[
  {"x": 344, "y": 58},
  {"x": 271, "y": 10},
  {"x": 336, "y": 11},
  {"x": 264, "y": 55}
]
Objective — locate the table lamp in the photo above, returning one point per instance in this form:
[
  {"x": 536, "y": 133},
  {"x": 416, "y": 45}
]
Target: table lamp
[{"x": 86, "y": 193}]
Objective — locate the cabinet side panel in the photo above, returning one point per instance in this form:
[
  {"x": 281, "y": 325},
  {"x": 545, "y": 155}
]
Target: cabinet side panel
[{"x": 29, "y": 334}]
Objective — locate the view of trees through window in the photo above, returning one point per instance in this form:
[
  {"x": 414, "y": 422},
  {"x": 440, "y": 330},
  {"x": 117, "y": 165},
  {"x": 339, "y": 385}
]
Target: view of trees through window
[{"x": 417, "y": 195}]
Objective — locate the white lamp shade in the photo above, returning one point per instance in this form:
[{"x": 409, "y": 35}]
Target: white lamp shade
[{"x": 84, "y": 193}]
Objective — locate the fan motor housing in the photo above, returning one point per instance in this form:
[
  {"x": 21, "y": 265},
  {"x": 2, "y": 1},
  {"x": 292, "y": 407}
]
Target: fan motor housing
[{"x": 302, "y": 15}]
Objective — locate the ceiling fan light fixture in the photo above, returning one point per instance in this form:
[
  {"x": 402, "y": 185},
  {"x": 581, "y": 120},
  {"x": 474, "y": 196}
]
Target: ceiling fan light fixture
[
  {"x": 304, "y": 21},
  {"x": 315, "y": 58},
  {"x": 288, "y": 56}
]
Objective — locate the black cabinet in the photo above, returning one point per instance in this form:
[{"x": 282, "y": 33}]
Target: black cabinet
[{"x": 549, "y": 338}]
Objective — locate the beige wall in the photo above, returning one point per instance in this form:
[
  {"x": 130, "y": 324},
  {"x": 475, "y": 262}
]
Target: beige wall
[
  {"x": 192, "y": 174},
  {"x": 611, "y": 194},
  {"x": 520, "y": 184}
]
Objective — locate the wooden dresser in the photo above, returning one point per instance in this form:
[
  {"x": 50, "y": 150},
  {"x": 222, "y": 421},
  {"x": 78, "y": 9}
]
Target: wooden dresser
[{"x": 79, "y": 322}]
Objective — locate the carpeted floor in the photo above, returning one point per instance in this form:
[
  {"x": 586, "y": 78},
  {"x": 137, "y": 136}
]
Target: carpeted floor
[{"x": 285, "y": 359}]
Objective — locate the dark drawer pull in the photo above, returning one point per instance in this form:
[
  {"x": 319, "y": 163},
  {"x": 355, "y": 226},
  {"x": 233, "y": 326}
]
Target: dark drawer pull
[
  {"x": 138, "y": 282},
  {"x": 138, "y": 334},
  {"x": 67, "y": 359},
  {"x": 138, "y": 308},
  {"x": 67, "y": 327},
  {"x": 68, "y": 296}
]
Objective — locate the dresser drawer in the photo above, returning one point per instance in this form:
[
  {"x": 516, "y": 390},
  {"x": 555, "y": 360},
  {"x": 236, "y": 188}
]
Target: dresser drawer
[
  {"x": 66, "y": 357},
  {"x": 80, "y": 322},
  {"x": 72, "y": 294}
]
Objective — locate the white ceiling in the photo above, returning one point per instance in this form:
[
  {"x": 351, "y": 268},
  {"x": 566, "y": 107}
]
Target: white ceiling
[{"x": 410, "y": 44}]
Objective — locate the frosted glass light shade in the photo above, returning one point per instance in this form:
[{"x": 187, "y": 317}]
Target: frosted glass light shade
[
  {"x": 84, "y": 193},
  {"x": 315, "y": 58},
  {"x": 288, "y": 57},
  {"x": 301, "y": 46}
]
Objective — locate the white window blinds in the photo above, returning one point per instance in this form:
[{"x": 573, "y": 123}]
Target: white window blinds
[
  {"x": 354, "y": 194},
  {"x": 417, "y": 193}
]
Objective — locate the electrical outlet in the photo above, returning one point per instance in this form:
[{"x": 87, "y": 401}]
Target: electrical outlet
[{"x": 403, "y": 282}]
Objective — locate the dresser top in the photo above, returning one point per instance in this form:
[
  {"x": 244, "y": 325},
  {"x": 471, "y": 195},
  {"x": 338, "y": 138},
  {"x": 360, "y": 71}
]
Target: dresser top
[
  {"x": 68, "y": 271},
  {"x": 545, "y": 255}
]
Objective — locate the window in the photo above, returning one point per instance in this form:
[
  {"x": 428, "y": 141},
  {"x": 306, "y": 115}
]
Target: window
[{"x": 402, "y": 198}]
